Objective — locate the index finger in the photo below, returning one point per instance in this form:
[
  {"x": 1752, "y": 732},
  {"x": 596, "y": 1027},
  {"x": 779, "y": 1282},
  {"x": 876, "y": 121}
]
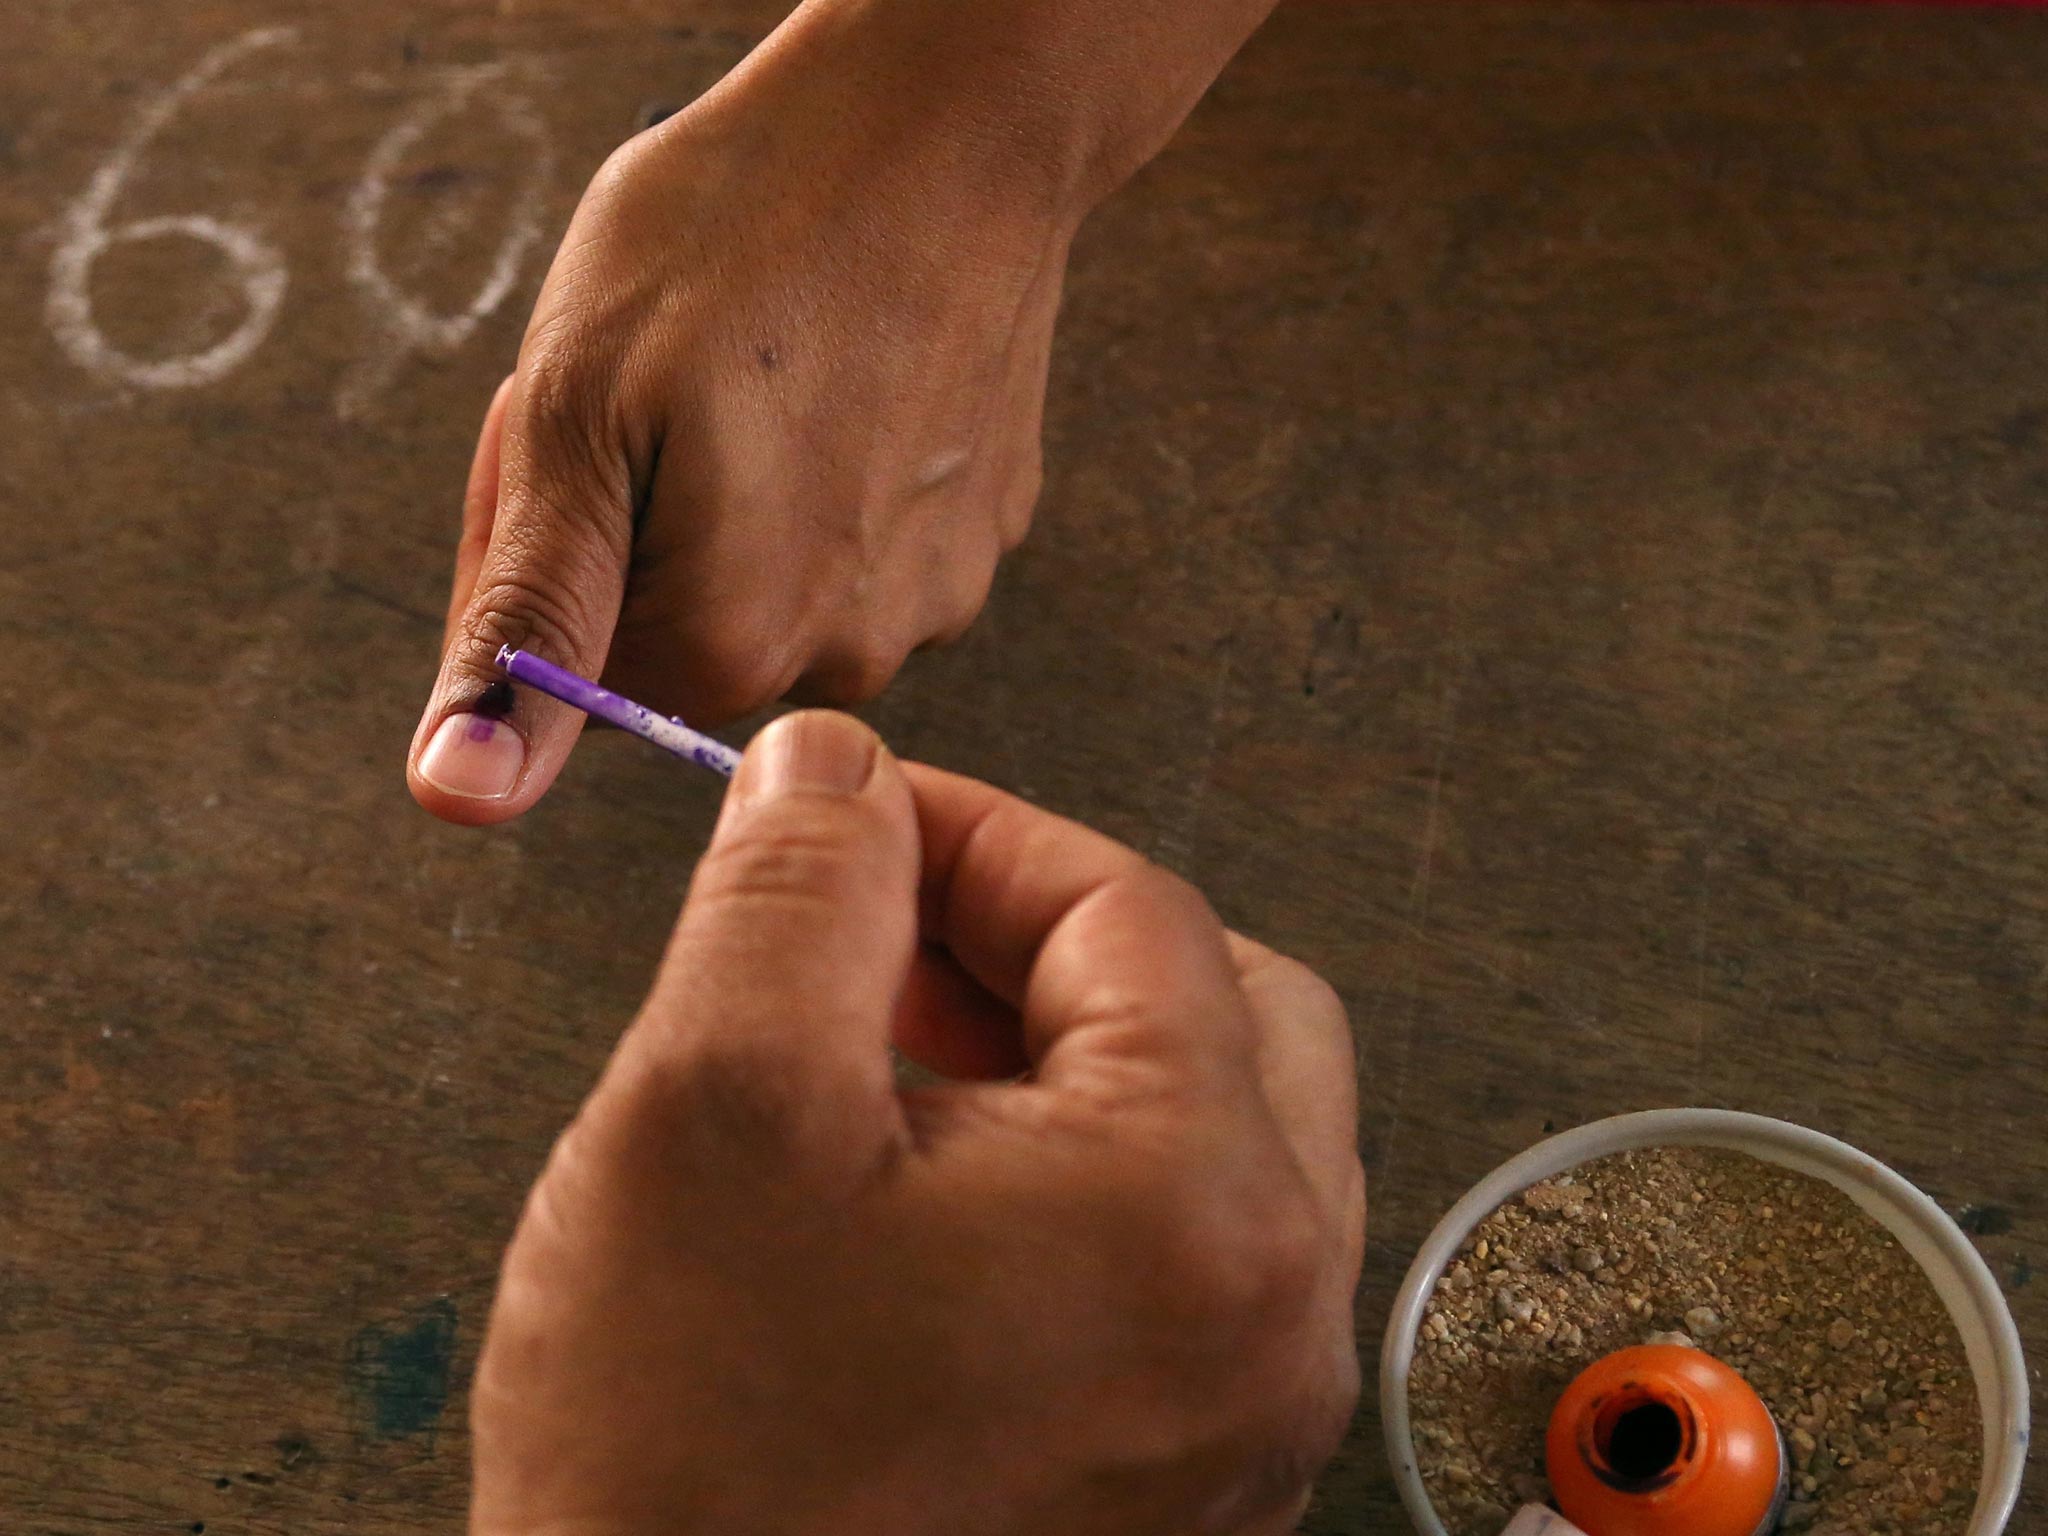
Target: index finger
[
  {"x": 1308, "y": 1066},
  {"x": 1108, "y": 958}
]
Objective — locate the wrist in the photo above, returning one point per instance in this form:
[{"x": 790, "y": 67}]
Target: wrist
[
  {"x": 1074, "y": 93},
  {"x": 1032, "y": 110}
]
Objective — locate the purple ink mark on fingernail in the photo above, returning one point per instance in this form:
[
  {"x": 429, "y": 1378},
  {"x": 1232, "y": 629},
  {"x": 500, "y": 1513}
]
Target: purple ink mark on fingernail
[{"x": 481, "y": 728}]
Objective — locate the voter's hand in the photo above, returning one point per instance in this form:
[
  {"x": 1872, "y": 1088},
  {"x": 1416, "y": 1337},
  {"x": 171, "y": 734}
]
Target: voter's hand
[{"x": 776, "y": 417}]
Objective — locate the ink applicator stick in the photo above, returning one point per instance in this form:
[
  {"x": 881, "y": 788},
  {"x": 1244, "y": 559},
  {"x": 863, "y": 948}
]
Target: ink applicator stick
[{"x": 668, "y": 734}]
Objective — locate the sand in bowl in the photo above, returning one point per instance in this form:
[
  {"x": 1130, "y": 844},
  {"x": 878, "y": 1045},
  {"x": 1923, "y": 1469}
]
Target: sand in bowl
[{"x": 1779, "y": 1275}]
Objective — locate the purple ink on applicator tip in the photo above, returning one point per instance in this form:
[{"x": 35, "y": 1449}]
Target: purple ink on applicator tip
[{"x": 669, "y": 734}]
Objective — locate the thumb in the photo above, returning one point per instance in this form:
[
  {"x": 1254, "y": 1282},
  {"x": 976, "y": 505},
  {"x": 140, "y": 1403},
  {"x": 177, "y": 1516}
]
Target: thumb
[
  {"x": 779, "y": 989},
  {"x": 550, "y": 579}
]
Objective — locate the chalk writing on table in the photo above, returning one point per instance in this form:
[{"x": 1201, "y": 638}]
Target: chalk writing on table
[
  {"x": 410, "y": 325},
  {"x": 257, "y": 268}
]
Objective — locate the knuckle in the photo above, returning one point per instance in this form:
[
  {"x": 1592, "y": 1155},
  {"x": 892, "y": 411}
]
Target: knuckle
[
  {"x": 1309, "y": 1001},
  {"x": 555, "y": 406},
  {"x": 731, "y": 674},
  {"x": 1245, "y": 1262},
  {"x": 855, "y": 673},
  {"x": 971, "y": 584},
  {"x": 1155, "y": 888},
  {"x": 725, "y": 1120},
  {"x": 712, "y": 1122},
  {"x": 791, "y": 864},
  {"x": 530, "y": 611},
  {"x": 729, "y": 1095},
  {"x": 874, "y": 669},
  {"x": 560, "y": 361},
  {"x": 1318, "y": 996},
  {"x": 613, "y": 184},
  {"x": 1316, "y": 1001},
  {"x": 1014, "y": 522},
  {"x": 573, "y": 458}
]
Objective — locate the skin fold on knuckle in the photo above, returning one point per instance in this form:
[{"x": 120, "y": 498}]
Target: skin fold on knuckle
[
  {"x": 528, "y": 611},
  {"x": 1133, "y": 908},
  {"x": 549, "y": 573},
  {"x": 616, "y": 189},
  {"x": 568, "y": 423},
  {"x": 846, "y": 674},
  {"x": 588, "y": 1183},
  {"x": 1165, "y": 897},
  {"x": 726, "y": 1105},
  {"x": 721, "y": 1126},
  {"x": 797, "y": 862},
  {"x": 581, "y": 421},
  {"x": 1316, "y": 1000},
  {"x": 1134, "y": 898},
  {"x": 574, "y": 487},
  {"x": 874, "y": 668}
]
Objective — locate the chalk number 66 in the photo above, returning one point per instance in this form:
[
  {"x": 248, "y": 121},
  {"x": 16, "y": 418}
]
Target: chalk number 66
[{"x": 256, "y": 266}]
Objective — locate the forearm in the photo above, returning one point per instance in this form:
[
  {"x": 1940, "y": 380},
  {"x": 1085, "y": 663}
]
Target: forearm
[{"x": 1052, "y": 100}]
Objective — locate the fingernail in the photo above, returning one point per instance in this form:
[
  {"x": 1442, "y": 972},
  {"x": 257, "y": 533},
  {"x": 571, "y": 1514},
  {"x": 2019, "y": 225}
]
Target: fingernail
[
  {"x": 817, "y": 752},
  {"x": 474, "y": 757}
]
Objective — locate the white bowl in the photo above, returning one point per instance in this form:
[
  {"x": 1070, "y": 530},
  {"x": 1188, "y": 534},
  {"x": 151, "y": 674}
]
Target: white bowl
[{"x": 1922, "y": 1228}]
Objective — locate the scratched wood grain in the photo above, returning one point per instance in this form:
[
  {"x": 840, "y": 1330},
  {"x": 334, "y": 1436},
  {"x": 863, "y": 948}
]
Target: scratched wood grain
[{"x": 1545, "y": 521}]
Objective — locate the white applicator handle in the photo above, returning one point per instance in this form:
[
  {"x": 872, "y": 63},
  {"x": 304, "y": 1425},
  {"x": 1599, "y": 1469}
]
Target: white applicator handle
[{"x": 1536, "y": 1520}]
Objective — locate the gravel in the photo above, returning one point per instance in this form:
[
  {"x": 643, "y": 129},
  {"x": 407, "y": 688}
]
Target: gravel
[{"x": 1779, "y": 1275}]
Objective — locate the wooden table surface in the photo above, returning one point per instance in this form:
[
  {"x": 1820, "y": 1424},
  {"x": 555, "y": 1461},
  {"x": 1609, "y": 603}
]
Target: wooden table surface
[{"x": 1545, "y": 521}]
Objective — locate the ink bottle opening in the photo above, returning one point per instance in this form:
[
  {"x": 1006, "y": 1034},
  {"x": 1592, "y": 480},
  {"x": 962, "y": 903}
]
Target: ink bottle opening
[{"x": 1663, "y": 1440}]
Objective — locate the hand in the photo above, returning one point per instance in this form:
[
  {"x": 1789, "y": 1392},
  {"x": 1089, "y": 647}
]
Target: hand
[
  {"x": 776, "y": 417},
  {"x": 763, "y": 1290}
]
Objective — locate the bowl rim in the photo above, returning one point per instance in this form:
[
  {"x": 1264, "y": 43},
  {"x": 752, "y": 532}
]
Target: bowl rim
[{"x": 1887, "y": 1196}]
